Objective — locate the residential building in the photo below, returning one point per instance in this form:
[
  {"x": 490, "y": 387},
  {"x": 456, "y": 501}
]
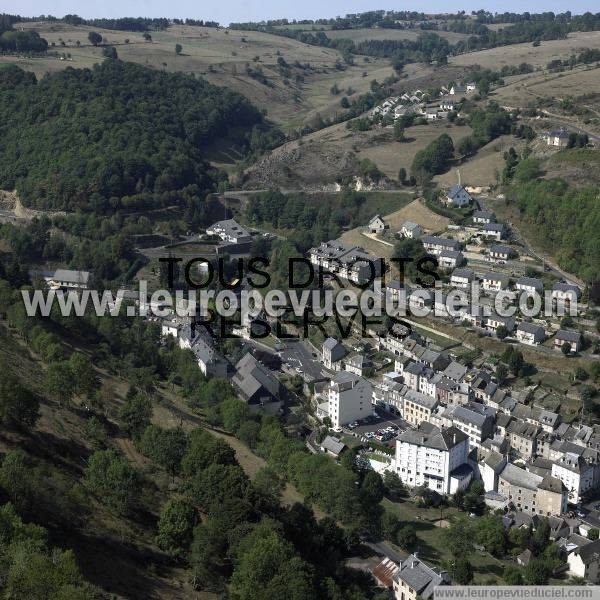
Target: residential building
[
  {"x": 332, "y": 353},
  {"x": 417, "y": 407},
  {"x": 384, "y": 573},
  {"x": 490, "y": 468},
  {"x": 359, "y": 364},
  {"x": 457, "y": 89},
  {"x": 499, "y": 252},
  {"x": 584, "y": 562},
  {"x": 531, "y": 285},
  {"x": 230, "y": 231},
  {"x": 211, "y": 363},
  {"x": 414, "y": 579},
  {"x": 349, "y": 398},
  {"x": 494, "y": 231},
  {"x": 256, "y": 384},
  {"x": 411, "y": 230},
  {"x": 532, "y": 493},
  {"x": 458, "y": 196},
  {"x": 67, "y": 279},
  {"x": 495, "y": 321},
  {"x": 565, "y": 336},
  {"x": 333, "y": 446},
  {"x": 558, "y": 138},
  {"x": 578, "y": 471},
  {"x": 565, "y": 293},
  {"x": 475, "y": 425},
  {"x": 494, "y": 282},
  {"x": 483, "y": 217},
  {"x": 530, "y": 333},
  {"x": 428, "y": 456},
  {"x": 522, "y": 438},
  {"x": 435, "y": 245},
  {"x": 346, "y": 261},
  {"x": 462, "y": 278},
  {"x": 447, "y": 105},
  {"x": 471, "y": 86},
  {"x": 377, "y": 224},
  {"x": 449, "y": 259}
]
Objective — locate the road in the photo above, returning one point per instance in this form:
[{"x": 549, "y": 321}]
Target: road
[{"x": 301, "y": 357}]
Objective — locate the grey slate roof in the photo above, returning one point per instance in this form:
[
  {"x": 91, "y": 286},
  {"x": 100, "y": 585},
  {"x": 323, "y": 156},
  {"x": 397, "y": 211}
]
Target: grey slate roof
[
  {"x": 433, "y": 437},
  {"x": 333, "y": 445},
  {"x": 419, "y": 576},
  {"x": 568, "y": 336}
]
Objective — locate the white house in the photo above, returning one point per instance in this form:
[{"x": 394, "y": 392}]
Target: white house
[
  {"x": 584, "y": 562},
  {"x": 447, "y": 105},
  {"x": 435, "y": 245},
  {"x": 558, "y": 138},
  {"x": 414, "y": 579},
  {"x": 66, "y": 279},
  {"x": 411, "y": 230},
  {"x": 483, "y": 217},
  {"x": 449, "y": 259},
  {"x": 564, "y": 336},
  {"x": 494, "y": 282},
  {"x": 577, "y": 471},
  {"x": 531, "y": 285},
  {"x": 332, "y": 353},
  {"x": 458, "y": 196},
  {"x": 349, "y": 398},
  {"x": 565, "y": 293},
  {"x": 530, "y": 333},
  {"x": 230, "y": 231},
  {"x": 499, "y": 252},
  {"x": 494, "y": 231},
  {"x": 471, "y": 86},
  {"x": 377, "y": 224},
  {"x": 428, "y": 456},
  {"x": 462, "y": 278}
]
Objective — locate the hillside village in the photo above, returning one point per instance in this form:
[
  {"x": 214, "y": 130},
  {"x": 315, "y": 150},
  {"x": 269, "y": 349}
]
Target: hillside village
[{"x": 443, "y": 166}]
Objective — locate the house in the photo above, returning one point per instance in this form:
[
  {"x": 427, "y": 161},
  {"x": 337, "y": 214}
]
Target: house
[
  {"x": 211, "y": 363},
  {"x": 432, "y": 114},
  {"x": 455, "y": 372},
  {"x": 531, "y": 285},
  {"x": 66, "y": 279},
  {"x": 333, "y": 446},
  {"x": 332, "y": 353},
  {"x": 475, "y": 425},
  {"x": 573, "y": 338},
  {"x": 346, "y": 261},
  {"x": 522, "y": 438},
  {"x": 578, "y": 470},
  {"x": 458, "y": 196},
  {"x": 428, "y": 456},
  {"x": 584, "y": 562},
  {"x": 531, "y": 334},
  {"x": 435, "y": 245},
  {"x": 471, "y": 86},
  {"x": 532, "y": 493},
  {"x": 565, "y": 293},
  {"x": 384, "y": 573},
  {"x": 457, "y": 89},
  {"x": 483, "y": 217},
  {"x": 418, "y": 407},
  {"x": 230, "y": 231},
  {"x": 377, "y": 224},
  {"x": 558, "y": 138},
  {"x": 359, "y": 364},
  {"x": 490, "y": 468},
  {"x": 462, "y": 278},
  {"x": 449, "y": 259},
  {"x": 494, "y": 231},
  {"x": 498, "y": 252},
  {"x": 494, "y": 282},
  {"x": 494, "y": 321},
  {"x": 447, "y": 105},
  {"x": 414, "y": 579},
  {"x": 349, "y": 398},
  {"x": 411, "y": 230},
  {"x": 256, "y": 384}
]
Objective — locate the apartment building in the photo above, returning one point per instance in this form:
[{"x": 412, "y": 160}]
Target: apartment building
[
  {"x": 349, "y": 398},
  {"x": 417, "y": 407}
]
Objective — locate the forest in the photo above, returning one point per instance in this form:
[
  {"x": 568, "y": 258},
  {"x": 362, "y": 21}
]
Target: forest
[
  {"x": 19, "y": 41},
  {"x": 118, "y": 135},
  {"x": 563, "y": 220}
]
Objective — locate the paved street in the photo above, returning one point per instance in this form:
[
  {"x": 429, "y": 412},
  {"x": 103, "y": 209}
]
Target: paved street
[{"x": 300, "y": 356}]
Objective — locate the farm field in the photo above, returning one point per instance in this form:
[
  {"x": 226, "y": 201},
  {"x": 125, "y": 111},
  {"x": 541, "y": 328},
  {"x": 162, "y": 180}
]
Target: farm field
[
  {"x": 483, "y": 168},
  {"x": 221, "y": 56},
  {"x": 390, "y": 155},
  {"x": 540, "y": 56},
  {"x": 360, "y": 35}
]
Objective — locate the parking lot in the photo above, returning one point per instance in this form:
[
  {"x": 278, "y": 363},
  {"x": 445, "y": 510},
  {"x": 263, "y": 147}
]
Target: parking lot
[
  {"x": 382, "y": 428},
  {"x": 301, "y": 358}
]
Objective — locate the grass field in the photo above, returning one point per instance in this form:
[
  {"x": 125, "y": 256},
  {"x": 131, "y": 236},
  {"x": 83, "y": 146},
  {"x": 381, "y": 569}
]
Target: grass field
[
  {"x": 221, "y": 56},
  {"x": 539, "y": 56},
  {"x": 360, "y": 35}
]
